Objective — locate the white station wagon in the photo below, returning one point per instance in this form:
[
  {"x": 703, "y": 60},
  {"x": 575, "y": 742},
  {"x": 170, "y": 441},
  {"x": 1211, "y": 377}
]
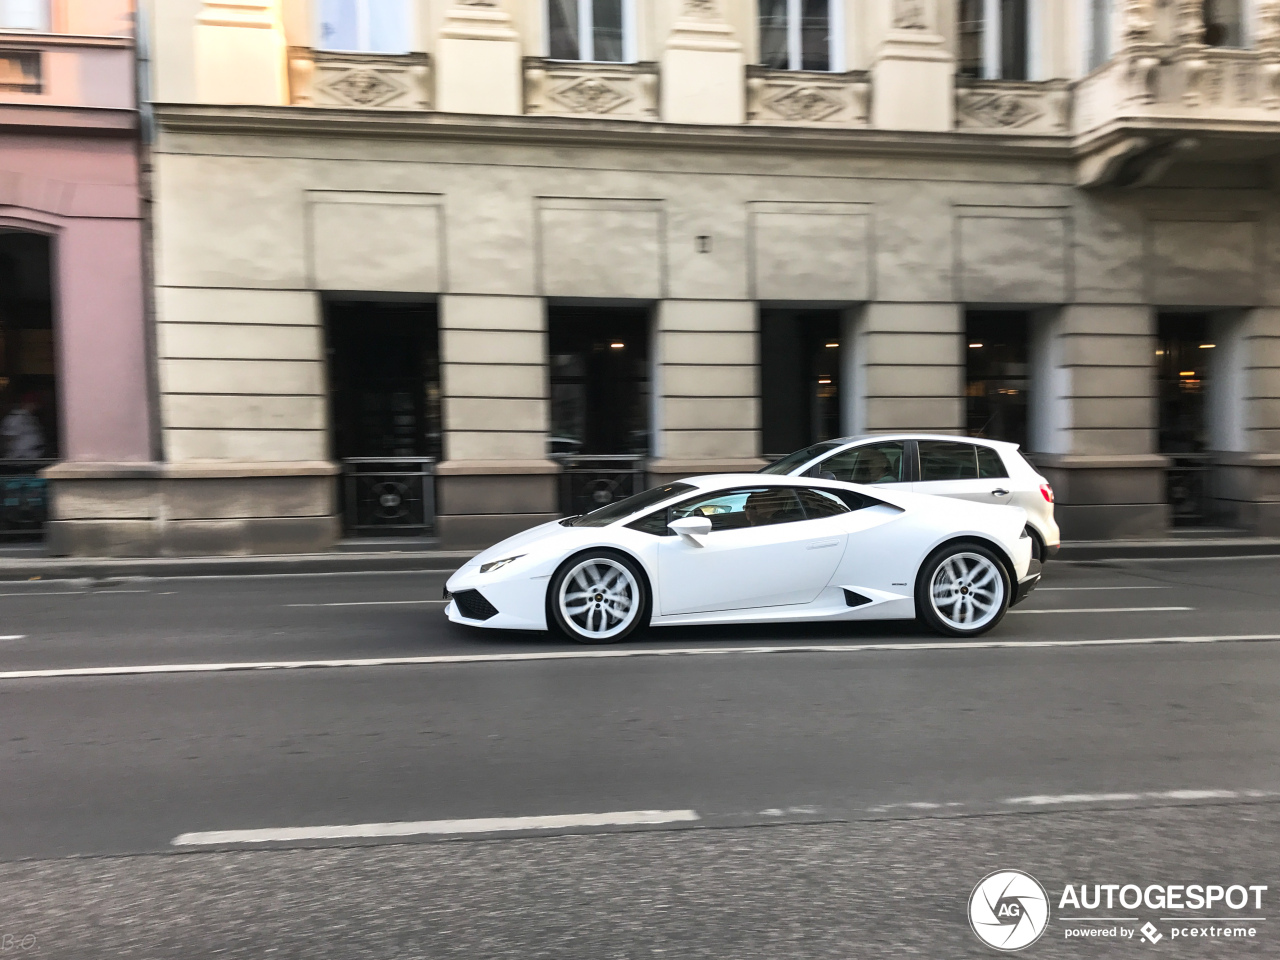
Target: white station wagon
[{"x": 967, "y": 468}]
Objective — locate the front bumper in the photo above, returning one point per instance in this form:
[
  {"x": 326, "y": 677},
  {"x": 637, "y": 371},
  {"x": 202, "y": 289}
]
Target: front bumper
[{"x": 1027, "y": 583}]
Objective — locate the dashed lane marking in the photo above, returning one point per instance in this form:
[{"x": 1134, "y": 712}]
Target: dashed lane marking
[
  {"x": 363, "y": 603},
  {"x": 418, "y": 828},
  {"x": 163, "y": 668},
  {"x": 1106, "y": 610}
]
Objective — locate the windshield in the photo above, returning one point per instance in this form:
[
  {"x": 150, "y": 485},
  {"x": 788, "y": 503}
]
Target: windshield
[
  {"x": 800, "y": 457},
  {"x": 625, "y": 508}
]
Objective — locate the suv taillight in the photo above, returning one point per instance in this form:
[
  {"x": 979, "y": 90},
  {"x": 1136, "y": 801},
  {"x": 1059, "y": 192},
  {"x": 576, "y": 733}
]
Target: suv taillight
[{"x": 1046, "y": 491}]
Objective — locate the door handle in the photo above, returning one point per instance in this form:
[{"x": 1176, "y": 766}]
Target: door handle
[
  {"x": 999, "y": 492},
  {"x": 819, "y": 544}
]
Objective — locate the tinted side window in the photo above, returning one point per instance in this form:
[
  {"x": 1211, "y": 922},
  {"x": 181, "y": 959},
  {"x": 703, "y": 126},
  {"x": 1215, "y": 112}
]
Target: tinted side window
[
  {"x": 990, "y": 464},
  {"x": 820, "y": 503},
  {"x": 945, "y": 460},
  {"x": 869, "y": 463},
  {"x": 744, "y": 507}
]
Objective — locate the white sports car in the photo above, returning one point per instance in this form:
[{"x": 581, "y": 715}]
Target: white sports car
[{"x": 753, "y": 548}]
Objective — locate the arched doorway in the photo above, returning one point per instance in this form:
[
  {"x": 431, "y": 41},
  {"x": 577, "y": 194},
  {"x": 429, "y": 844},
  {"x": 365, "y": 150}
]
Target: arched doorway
[{"x": 29, "y": 434}]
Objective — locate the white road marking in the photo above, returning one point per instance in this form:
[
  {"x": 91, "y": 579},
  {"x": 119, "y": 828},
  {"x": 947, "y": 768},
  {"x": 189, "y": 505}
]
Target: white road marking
[
  {"x": 1046, "y": 800},
  {"x": 144, "y": 669},
  {"x": 12, "y": 636},
  {"x": 363, "y": 603},
  {"x": 43, "y": 593},
  {"x": 1105, "y": 610},
  {"x": 1044, "y": 589},
  {"x": 621, "y": 818}
]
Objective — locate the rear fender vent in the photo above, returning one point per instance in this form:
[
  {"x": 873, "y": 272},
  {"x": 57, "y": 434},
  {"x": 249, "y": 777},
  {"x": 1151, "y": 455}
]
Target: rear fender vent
[
  {"x": 472, "y": 605},
  {"x": 852, "y": 599}
]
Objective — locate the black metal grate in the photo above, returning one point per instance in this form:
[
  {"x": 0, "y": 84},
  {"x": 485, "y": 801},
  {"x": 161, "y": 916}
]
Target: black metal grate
[
  {"x": 472, "y": 605},
  {"x": 588, "y": 483},
  {"x": 389, "y": 495}
]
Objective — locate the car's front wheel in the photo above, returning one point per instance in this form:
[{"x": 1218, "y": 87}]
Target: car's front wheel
[
  {"x": 962, "y": 590},
  {"x": 598, "y": 597}
]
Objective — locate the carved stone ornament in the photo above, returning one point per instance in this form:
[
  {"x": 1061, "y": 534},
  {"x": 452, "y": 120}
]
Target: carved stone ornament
[
  {"x": 699, "y": 8},
  {"x": 590, "y": 95},
  {"x": 909, "y": 15},
  {"x": 365, "y": 88},
  {"x": 1139, "y": 21},
  {"x": 1190, "y": 22},
  {"x": 1267, "y": 26},
  {"x": 477, "y": 3},
  {"x": 803, "y": 103},
  {"x": 1001, "y": 110}
]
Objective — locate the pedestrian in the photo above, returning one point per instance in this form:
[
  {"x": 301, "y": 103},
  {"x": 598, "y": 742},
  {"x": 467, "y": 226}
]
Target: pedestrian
[{"x": 21, "y": 431}]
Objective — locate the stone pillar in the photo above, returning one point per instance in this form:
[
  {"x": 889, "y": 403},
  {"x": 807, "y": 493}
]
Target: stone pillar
[
  {"x": 1244, "y": 419},
  {"x": 707, "y": 384},
  {"x": 703, "y": 68},
  {"x": 495, "y": 479},
  {"x": 907, "y": 368},
  {"x": 913, "y": 74},
  {"x": 477, "y": 63},
  {"x": 240, "y": 53},
  {"x": 1093, "y": 417}
]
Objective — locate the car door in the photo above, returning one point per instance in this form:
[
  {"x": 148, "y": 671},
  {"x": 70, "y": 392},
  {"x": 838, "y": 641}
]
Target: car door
[
  {"x": 966, "y": 471},
  {"x": 875, "y": 463},
  {"x": 764, "y": 549}
]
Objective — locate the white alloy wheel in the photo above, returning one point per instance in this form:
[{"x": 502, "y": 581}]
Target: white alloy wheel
[
  {"x": 598, "y": 599},
  {"x": 967, "y": 591}
]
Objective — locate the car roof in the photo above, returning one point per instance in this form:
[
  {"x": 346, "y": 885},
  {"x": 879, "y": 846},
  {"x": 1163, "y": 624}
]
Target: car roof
[
  {"x": 714, "y": 481},
  {"x": 863, "y": 437}
]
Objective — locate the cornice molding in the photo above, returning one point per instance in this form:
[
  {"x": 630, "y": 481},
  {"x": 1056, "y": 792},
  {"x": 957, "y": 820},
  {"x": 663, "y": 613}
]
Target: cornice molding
[{"x": 567, "y": 131}]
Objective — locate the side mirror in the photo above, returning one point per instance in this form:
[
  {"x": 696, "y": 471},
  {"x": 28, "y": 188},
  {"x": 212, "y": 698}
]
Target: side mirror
[{"x": 691, "y": 528}]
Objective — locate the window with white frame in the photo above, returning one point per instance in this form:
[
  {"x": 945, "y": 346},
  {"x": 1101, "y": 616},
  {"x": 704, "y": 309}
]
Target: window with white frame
[
  {"x": 24, "y": 15},
  {"x": 801, "y": 34},
  {"x": 602, "y": 31},
  {"x": 995, "y": 39},
  {"x": 1099, "y": 33},
  {"x": 364, "y": 26},
  {"x": 1224, "y": 23}
]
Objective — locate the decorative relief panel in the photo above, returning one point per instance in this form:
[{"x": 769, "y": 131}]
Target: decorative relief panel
[
  {"x": 1002, "y": 106},
  {"x": 372, "y": 81},
  {"x": 808, "y": 99},
  {"x": 624, "y": 91}
]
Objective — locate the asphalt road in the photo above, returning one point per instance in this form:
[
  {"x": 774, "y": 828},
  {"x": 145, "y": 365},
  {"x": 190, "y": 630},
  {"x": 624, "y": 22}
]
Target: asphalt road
[{"x": 834, "y": 802}]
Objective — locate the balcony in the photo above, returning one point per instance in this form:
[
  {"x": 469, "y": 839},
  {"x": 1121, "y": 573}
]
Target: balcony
[
  {"x": 617, "y": 91},
  {"x": 807, "y": 98},
  {"x": 54, "y": 79}
]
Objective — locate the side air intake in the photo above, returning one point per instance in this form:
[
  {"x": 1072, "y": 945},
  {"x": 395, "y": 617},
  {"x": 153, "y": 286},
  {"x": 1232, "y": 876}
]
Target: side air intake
[{"x": 852, "y": 599}]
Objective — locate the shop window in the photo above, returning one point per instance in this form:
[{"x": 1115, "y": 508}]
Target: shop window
[
  {"x": 364, "y": 26},
  {"x": 997, "y": 374},
  {"x": 800, "y": 34},
  {"x": 601, "y": 31},
  {"x": 799, "y": 378},
  {"x": 24, "y": 15},
  {"x": 1224, "y": 23},
  {"x": 1183, "y": 358},
  {"x": 994, "y": 39}
]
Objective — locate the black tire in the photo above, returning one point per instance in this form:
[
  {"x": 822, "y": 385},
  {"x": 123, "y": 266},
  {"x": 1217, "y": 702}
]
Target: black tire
[
  {"x": 988, "y": 576},
  {"x": 617, "y": 580},
  {"x": 1038, "y": 552}
]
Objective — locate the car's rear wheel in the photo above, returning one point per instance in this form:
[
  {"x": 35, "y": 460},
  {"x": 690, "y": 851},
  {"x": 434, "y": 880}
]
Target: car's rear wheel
[
  {"x": 963, "y": 590},
  {"x": 598, "y": 597}
]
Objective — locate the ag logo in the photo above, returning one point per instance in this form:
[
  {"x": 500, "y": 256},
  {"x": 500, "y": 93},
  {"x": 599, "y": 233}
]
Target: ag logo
[{"x": 1008, "y": 910}]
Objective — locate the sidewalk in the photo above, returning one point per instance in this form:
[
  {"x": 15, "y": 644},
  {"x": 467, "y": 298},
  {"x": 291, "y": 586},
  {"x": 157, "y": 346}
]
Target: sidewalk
[{"x": 30, "y": 563}]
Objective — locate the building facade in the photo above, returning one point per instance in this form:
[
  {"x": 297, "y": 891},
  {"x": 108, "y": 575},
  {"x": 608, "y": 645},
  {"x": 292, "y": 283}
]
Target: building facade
[
  {"x": 74, "y": 353},
  {"x": 460, "y": 266}
]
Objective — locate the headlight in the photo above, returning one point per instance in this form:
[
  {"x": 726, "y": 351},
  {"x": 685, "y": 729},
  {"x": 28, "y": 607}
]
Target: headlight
[{"x": 496, "y": 564}]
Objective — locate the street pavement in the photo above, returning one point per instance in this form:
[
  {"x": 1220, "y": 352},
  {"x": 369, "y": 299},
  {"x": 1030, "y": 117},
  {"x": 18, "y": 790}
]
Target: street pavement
[{"x": 824, "y": 791}]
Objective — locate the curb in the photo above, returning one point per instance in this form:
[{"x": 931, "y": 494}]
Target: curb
[
  {"x": 446, "y": 561},
  {"x": 1189, "y": 549},
  {"x": 70, "y": 568}
]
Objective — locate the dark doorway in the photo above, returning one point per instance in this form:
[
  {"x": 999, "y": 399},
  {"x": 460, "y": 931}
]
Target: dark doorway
[
  {"x": 384, "y": 386},
  {"x": 1183, "y": 352},
  {"x": 28, "y": 381},
  {"x": 997, "y": 374},
  {"x": 799, "y": 379},
  {"x": 600, "y": 402}
]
